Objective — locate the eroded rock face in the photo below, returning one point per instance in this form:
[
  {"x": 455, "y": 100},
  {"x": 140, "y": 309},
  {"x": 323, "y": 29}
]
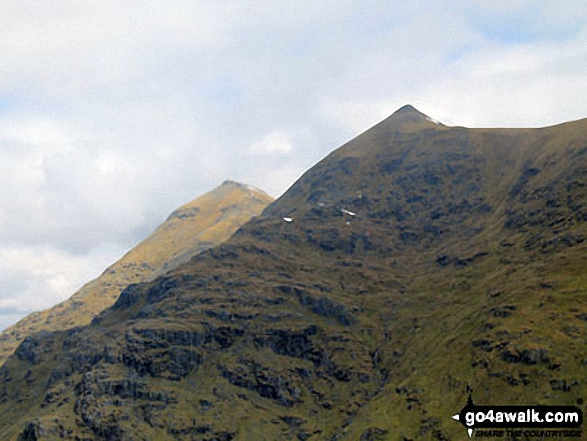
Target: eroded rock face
[{"x": 29, "y": 350}]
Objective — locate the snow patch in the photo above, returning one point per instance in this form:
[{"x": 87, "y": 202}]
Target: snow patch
[
  {"x": 348, "y": 212},
  {"x": 255, "y": 189},
  {"x": 287, "y": 219},
  {"x": 435, "y": 121}
]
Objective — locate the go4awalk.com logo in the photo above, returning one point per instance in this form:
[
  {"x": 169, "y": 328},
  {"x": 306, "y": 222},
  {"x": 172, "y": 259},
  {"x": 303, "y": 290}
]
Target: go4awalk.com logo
[{"x": 518, "y": 421}]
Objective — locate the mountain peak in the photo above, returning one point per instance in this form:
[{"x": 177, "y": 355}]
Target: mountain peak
[
  {"x": 409, "y": 115},
  {"x": 198, "y": 225},
  {"x": 408, "y": 109},
  {"x": 301, "y": 318},
  {"x": 230, "y": 183},
  {"x": 233, "y": 184}
]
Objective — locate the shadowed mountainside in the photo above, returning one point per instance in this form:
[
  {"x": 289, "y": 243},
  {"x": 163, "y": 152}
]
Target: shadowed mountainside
[
  {"x": 411, "y": 262},
  {"x": 206, "y": 221}
]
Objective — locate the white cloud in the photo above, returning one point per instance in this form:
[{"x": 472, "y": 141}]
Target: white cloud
[
  {"x": 34, "y": 131},
  {"x": 274, "y": 142},
  {"x": 358, "y": 115},
  {"x": 520, "y": 85},
  {"x": 112, "y": 113},
  {"x": 45, "y": 276},
  {"x": 73, "y": 47}
]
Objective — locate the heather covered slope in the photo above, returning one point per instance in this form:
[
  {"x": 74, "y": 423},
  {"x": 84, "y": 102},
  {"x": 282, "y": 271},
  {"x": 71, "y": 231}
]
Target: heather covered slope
[
  {"x": 206, "y": 221},
  {"x": 419, "y": 259}
]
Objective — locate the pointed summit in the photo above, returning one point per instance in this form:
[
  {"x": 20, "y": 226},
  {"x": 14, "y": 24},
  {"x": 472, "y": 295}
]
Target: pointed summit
[
  {"x": 404, "y": 119},
  {"x": 401, "y": 235},
  {"x": 230, "y": 184},
  {"x": 409, "y": 112}
]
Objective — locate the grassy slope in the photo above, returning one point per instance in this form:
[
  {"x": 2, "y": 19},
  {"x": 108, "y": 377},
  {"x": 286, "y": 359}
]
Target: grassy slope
[
  {"x": 463, "y": 265},
  {"x": 207, "y": 221}
]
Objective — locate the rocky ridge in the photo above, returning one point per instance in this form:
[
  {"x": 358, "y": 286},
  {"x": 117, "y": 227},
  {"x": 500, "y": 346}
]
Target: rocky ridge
[{"x": 413, "y": 261}]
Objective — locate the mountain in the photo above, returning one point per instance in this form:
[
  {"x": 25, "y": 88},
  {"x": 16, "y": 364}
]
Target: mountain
[
  {"x": 207, "y": 221},
  {"x": 413, "y": 262}
]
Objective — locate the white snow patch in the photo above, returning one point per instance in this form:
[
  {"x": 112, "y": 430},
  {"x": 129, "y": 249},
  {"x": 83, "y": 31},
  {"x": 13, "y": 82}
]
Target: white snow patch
[
  {"x": 321, "y": 204},
  {"x": 287, "y": 219},
  {"x": 348, "y": 212},
  {"x": 435, "y": 121},
  {"x": 255, "y": 189}
]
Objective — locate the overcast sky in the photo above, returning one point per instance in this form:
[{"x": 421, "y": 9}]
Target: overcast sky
[{"x": 113, "y": 113}]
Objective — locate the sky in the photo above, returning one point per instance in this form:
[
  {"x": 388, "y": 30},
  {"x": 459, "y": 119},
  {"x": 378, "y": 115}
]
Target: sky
[{"x": 112, "y": 114}]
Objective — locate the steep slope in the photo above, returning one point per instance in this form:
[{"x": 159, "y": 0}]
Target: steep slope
[
  {"x": 207, "y": 221},
  {"x": 413, "y": 261}
]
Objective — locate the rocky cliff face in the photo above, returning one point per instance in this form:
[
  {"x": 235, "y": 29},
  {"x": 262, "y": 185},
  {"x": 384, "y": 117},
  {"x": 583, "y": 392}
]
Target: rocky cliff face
[
  {"x": 192, "y": 228},
  {"x": 413, "y": 261}
]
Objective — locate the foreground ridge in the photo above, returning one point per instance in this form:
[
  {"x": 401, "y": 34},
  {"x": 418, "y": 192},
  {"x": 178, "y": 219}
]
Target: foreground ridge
[{"x": 414, "y": 261}]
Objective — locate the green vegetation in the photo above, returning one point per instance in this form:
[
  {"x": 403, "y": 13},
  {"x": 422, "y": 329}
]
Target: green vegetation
[{"x": 462, "y": 263}]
